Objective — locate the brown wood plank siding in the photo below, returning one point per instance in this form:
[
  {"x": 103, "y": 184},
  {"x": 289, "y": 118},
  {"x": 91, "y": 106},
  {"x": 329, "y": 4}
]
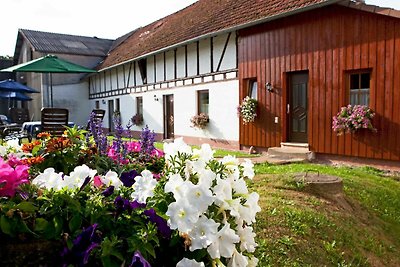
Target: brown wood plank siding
[{"x": 327, "y": 43}]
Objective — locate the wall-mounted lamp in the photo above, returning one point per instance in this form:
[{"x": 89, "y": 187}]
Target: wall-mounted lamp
[
  {"x": 156, "y": 98},
  {"x": 268, "y": 86},
  {"x": 103, "y": 102}
]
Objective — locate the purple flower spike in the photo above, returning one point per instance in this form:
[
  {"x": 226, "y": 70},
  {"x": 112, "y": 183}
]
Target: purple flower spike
[
  {"x": 138, "y": 260},
  {"x": 161, "y": 223},
  {"x": 128, "y": 178},
  {"x": 146, "y": 142}
]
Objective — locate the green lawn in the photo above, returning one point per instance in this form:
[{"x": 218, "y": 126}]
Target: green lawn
[
  {"x": 219, "y": 153},
  {"x": 295, "y": 228}
]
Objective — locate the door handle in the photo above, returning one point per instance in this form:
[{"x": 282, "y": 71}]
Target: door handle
[{"x": 288, "y": 108}]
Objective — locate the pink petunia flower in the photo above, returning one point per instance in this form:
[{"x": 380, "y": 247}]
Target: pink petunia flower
[{"x": 11, "y": 178}]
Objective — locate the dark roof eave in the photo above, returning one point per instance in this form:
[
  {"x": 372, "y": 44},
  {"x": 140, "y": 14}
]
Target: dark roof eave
[{"x": 230, "y": 29}]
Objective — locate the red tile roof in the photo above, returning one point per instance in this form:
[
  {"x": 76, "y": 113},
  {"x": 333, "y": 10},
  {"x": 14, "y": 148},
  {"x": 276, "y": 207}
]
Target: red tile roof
[{"x": 201, "y": 18}]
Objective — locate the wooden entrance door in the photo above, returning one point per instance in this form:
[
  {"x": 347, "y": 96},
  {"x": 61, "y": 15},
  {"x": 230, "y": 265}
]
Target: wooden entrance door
[
  {"x": 168, "y": 116},
  {"x": 297, "y": 107}
]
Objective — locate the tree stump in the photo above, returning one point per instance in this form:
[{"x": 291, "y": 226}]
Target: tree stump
[{"x": 326, "y": 186}]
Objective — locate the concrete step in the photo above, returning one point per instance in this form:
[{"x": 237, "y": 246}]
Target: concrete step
[
  {"x": 295, "y": 145},
  {"x": 281, "y": 161},
  {"x": 286, "y": 153}
]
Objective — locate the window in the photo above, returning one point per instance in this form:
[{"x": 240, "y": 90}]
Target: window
[
  {"x": 253, "y": 90},
  {"x": 117, "y": 105},
  {"x": 202, "y": 101},
  {"x": 139, "y": 105},
  {"x": 97, "y": 105},
  {"x": 142, "y": 63},
  {"x": 359, "y": 87}
]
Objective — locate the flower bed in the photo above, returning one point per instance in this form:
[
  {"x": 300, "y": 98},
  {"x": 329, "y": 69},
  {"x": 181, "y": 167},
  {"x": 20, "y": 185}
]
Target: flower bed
[{"x": 126, "y": 203}]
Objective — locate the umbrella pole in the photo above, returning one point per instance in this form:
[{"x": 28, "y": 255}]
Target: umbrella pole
[{"x": 51, "y": 90}]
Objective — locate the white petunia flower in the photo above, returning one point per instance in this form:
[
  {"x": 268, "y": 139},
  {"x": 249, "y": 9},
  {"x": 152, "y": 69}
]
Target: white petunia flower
[
  {"x": 80, "y": 173},
  {"x": 77, "y": 177},
  {"x": 49, "y": 179},
  {"x": 178, "y": 145},
  {"x": 178, "y": 186},
  {"x": 240, "y": 186},
  {"x": 223, "y": 193},
  {"x": 234, "y": 207},
  {"x": 174, "y": 184},
  {"x": 194, "y": 166},
  {"x": 111, "y": 178},
  {"x": 144, "y": 187},
  {"x": 248, "y": 169},
  {"x": 14, "y": 145},
  {"x": 189, "y": 263},
  {"x": 3, "y": 151},
  {"x": 230, "y": 162},
  {"x": 181, "y": 216},
  {"x": 233, "y": 173},
  {"x": 247, "y": 242},
  {"x": 250, "y": 208},
  {"x": 206, "y": 178},
  {"x": 224, "y": 244},
  {"x": 203, "y": 233},
  {"x": 205, "y": 153},
  {"x": 199, "y": 197},
  {"x": 252, "y": 261},
  {"x": 238, "y": 260}
]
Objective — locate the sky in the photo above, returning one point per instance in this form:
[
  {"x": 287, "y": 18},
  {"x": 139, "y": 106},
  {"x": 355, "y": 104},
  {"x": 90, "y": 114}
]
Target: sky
[{"x": 100, "y": 18}]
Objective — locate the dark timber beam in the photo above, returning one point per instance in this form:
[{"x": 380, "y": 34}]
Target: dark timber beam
[
  {"x": 211, "y": 54},
  {"x": 129, "y": 72},
  {"x": 186, "y": 68},
  {"x": 223, "y": 52},
  {"x": 123, "y": 70},
  {"x": 165, "y": 68},
  {"x": 175, "y": 67},
  {"x": 155, "y": 68},
  {"x": 198, "y": 57}
]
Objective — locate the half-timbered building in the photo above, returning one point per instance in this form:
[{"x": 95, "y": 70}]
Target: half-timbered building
[{"x": 302, "y": 60}]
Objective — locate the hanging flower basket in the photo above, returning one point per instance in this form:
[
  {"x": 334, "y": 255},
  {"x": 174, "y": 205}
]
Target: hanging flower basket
[
  {"x": 137, "y": 119},
  {"x": 352, "y": 118},
  {"x": 248, "y": 110},
  {"x": 200, "y": 121}
]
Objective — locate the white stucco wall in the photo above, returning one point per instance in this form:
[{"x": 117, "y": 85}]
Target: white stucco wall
[
  {"x": 223, "y": 100},
  {"x": 74, "y": 97}
]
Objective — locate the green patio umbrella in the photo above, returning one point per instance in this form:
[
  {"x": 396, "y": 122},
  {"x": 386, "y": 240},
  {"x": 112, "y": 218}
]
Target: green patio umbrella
[{"x": 49, "y": 64}]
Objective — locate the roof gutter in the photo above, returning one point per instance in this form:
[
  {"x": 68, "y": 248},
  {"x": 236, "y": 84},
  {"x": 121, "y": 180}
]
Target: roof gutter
[{"x": 235, "y": 28}]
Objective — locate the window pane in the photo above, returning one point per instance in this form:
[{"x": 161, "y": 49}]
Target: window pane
[
  {"x": 359, "y": 88},
  {"x": 139, "y": 105},
  {"x": 365, "y": 80},
  {"x": 203, "y": 98},
  {"x": 253, "y": 89},
  {"x": 354, "y": 81}
]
